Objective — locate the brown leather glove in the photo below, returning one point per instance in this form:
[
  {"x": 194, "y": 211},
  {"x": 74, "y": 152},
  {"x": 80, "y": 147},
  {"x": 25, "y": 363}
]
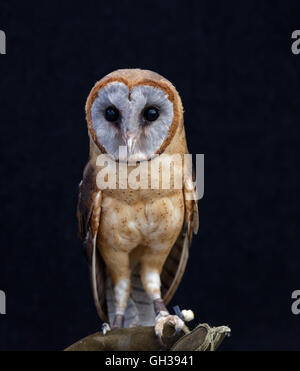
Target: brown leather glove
[{"x": 202, "y": 338}]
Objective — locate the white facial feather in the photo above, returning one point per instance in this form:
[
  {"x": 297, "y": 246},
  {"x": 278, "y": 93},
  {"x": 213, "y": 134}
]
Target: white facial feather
[
  {"x": 131, "y": 105},
  {"x": 108, "y": 134}
]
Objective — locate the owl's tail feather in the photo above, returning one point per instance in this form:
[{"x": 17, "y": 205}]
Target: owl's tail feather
[{"x": 140, "y": 309}]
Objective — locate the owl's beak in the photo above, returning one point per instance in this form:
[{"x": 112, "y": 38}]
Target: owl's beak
[{"x": 130, "y": 140}]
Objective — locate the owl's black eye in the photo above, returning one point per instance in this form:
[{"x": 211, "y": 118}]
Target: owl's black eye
[
  {"x": 151, "y": 114},
  {"x": 112, "y": 114}
]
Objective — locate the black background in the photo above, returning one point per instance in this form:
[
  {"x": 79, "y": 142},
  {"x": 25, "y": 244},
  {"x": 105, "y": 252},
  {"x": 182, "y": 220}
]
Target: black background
[{"x": 239, "y": 81}]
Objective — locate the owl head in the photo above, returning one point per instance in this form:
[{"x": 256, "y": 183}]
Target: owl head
[{"x": 136, "y": 109}]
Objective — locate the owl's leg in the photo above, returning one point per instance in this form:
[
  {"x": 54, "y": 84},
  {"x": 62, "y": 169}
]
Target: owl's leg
[
  {"x": 151, "y": 266},
  {"x": 118, "y": 265}
]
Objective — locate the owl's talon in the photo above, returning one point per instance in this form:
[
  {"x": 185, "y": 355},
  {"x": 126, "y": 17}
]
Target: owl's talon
[
  {"x": 159, "y": 338},
  {"x": 177, "y": 331},
  {"x": 105, "y": 328},
  {"x": 162, "y": 319}
]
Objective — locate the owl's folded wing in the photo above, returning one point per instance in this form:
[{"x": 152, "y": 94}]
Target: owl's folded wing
[
  {"x": 88, "y": 215},
  {"x": 175, "y": 263}
]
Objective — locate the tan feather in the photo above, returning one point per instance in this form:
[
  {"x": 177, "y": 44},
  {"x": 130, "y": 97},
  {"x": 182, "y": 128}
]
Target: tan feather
[{"x": 134, "y": 206}]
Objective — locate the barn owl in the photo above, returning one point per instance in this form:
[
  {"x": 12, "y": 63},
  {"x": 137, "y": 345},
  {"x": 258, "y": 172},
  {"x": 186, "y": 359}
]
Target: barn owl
[{"x": 137, "y": 240}]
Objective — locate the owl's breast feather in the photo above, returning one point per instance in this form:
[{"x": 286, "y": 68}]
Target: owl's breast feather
[{"x": 154, "y": 221}]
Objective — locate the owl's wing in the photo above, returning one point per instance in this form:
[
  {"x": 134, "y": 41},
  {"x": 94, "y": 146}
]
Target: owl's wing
[
  {"x": 88, "y": 215},
  {"x": 175, "y": 263}
]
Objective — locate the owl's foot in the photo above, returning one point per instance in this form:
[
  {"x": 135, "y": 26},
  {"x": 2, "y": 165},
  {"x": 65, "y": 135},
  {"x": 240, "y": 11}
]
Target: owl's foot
[
  {"x": 118, "y": 322},
  {"x": 162, "y": 319},
  {"x": 105, "y": 328}
]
